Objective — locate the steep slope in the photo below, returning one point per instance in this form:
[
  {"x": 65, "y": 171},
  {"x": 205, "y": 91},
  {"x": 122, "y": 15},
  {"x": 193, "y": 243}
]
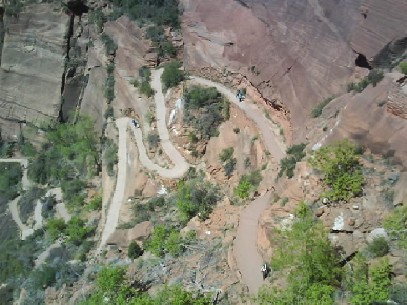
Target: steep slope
[{"x": 296, "y": 53}]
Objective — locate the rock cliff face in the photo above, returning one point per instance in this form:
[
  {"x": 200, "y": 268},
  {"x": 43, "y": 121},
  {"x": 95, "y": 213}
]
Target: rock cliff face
[
  {"x": 32, "y": 65},
  {"x": 295, "y": 52}
]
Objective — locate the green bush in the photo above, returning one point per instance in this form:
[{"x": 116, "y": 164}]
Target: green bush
[
  {"x": 172, "y": 75},
  {"x": 10, "y": 180},
  {"x": 157, "y": 36},
  {"x": 247, "y": 183},
  {"x": 226, "y": 154},
  {"x": 109, "y": 83},
  {"x": 112, "y": 284},
  {"x": 134, "y": 250},
  {"x": 153, "y": 139},
  {"x": 403, "y": 67},
  {"x": 55, "y": 228},
  {"x": 205, "y": 110},
  {"x": 77, "y": 231},
  {"x": 243, "y": 189},
  {"x": 95, "y": 203},
  {"x": 305, "y": 256},
  {"x": 370, "y": 285},
  {"x": 317, "y": 111},
  {"x": 73, "y": 192},
  {"x": 145, "y": 88},
  {"x": 110, "y": 156},
  {"x": 165, "y": 240},
  {"x": 295, "y": 154},
  {"x": 395, "y": 224},
  {"x": 159, "y": 12},
  {"x": 341, "y": 170},
  {"x": 378, "y": 247},
  {"x": 196, "y": 198},
  {"x": 110, "y": 45},
  {"x": 375, "y": 76}
]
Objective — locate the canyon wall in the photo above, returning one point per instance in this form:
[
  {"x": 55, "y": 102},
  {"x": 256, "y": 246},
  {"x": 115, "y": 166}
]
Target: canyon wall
[
  {"x": 295, "y": 52},
  {"x": 32, "y": 66}
]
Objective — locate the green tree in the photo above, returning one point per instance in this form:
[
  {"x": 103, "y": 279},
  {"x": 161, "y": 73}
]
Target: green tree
[
  {"x": 134, "y": 250},
  {"x": 403, "y": 67},
  {"x": 395, "y": 224},
  {"x": 196, "y": 198},
  {"x": 77, "y": 231},
  {"x": 242, "y": 190},
  {"x": 341, "y": 170},
  {"x": 172, "y": 75},
  {"x": 370, "y": 284},
  {"x": 55, "y": 227},
  {"x": 305, "y": 254}
]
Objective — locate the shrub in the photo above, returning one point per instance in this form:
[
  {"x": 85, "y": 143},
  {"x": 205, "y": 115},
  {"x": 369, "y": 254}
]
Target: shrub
[
  {"x": 317, "y": 111},
  {"x": 165, "y": 240},
  {"x": 378, "y": 247},
  {"x": 158, "y": 12},
  {"x": 341, "y": 170},
  {"x": 395, "y": 224},
  {"x": 205, "y": 110},
  {"x": 110, "y": 156},
  {"x": 403, "y": 67},
  {"x": 153, "y": 139},
  {"x": 110, "y": 45},
  {"x": 375, "y": 76},
  {"x": 10, "y": 180},
  {"x": 55, "y": 228},
  {"x": 145, "y": 88},
  {"x": 243, "y": 188},
  {"x": 229, "y": 166},
  {"x": 295, "y": 154},
  {"x": 77, "y": 231},
  {"x": 109, "y": 84},
  {"x": 226, "y": 154},
  {"x": 134, "y": 250},
  {"x": 73, "y": 191},
  {"x": 172, "y": 75},
  {"x": 95, "y": 203},
  {"x": 195, "y": 198},
  {"x": 305, "y": 255},
  {"x": 247, "y": 183}
]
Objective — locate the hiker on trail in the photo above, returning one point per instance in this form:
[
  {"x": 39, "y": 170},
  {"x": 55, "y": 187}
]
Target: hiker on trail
[
  {"x": 134, "y": 123},
  {"x": 264, "y": 271}
]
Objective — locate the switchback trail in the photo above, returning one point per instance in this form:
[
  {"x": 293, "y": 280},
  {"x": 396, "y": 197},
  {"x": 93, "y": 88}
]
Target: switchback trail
[
  {"x": 180, "y": 166},
  {"x": 245, "y": 249}
]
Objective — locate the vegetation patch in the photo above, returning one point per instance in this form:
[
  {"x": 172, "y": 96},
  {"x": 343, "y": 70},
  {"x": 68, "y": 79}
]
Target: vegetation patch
[
  {"x": 247, "y": 184},
  {"x": 341, "y": 170},
  {"x": 172, "y": 75},
  {"x": 160, "y": 42},
  {"x": 10, "y": 180},
  {"x": 158, "y": 12},
  {"x": 166, "y": 240},
  {"x": 317, "y": 111},
  {"x": 195, "y": 198},
  {"x": 395, "y": 224},
  {"x": 228, "y": 161},
  {"x": 110, "y": 156},
  {"x": 28, "y": 201},
  {"x": 374, "y": 77},
  {"x": 205, "y": 110},
  {"x": 111, "y": 284},
  {"x": 304, "y": 252},
  {"x": 109, "y": 84},
  {"x": 403, "y": 67},
  {"x": 295, "y": 154}
]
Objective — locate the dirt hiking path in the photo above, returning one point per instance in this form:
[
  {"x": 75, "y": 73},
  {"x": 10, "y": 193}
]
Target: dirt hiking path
[
  {"x": 180, "y": 166},
  {"x": 245, "y": 250}
]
